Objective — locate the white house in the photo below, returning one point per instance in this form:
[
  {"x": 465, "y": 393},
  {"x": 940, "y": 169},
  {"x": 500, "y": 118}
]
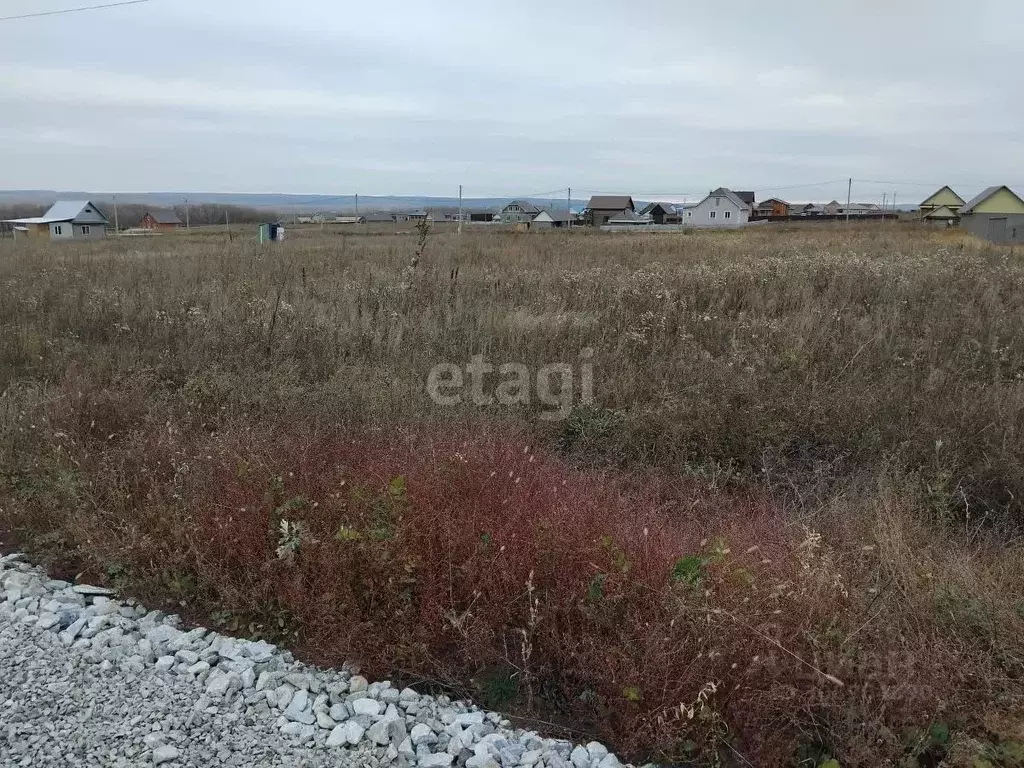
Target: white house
[
  {"x": 67, "y": 219},
  {"x": 721, "y": 209},
  {"x": 551, "y": 219}
]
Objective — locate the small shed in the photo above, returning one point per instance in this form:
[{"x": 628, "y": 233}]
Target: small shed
[{"x": 271, "y": 233}]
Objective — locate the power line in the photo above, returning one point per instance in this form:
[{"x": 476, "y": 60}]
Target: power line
[
  {"x": 801, "y": 186},
  {"x": 920, "y": 183},
  {"x": 72, "y": 10}
]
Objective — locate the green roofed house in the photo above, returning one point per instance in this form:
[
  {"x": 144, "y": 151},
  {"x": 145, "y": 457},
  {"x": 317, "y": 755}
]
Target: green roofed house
[{"x": 997, "y": 215}]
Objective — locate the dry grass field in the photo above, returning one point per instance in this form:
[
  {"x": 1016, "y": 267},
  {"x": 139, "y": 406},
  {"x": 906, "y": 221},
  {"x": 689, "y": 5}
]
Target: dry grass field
[{"x": 786, "y": 532}]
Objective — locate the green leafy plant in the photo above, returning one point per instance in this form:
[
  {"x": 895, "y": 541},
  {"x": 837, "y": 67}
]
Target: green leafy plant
[
  {"x": 689, "y": 570},
  {"x": 289, "y": 540},
  {"x": 595, "y": 592},
  {"x": 347, "y": 533}
]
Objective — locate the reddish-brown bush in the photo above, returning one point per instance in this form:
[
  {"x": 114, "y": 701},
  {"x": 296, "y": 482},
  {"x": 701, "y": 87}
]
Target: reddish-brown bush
[{"x": 669, "y": 620}]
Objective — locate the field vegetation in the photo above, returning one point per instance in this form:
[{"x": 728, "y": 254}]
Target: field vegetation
[{"x": 786, "y": 532}]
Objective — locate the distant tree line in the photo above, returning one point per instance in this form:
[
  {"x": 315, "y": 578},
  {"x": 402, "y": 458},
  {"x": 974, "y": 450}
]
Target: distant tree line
[{"x": 21, "y": 210}]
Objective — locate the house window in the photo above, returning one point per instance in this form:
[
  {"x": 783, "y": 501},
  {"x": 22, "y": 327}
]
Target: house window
[
  {"x": 56, "y": 230},
  {"x": 718, "y": 201},
  {"x": 85, "y": 230},
  {"x": 728, "y": 214},
  {"x": 689, "y": 214},
  {"x": 713, "y": 214}
]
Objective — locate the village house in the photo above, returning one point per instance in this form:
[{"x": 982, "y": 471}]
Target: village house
[
  {"x": 65, "y": 220},
  {"x": 997, "y": 215},
  {"x": 747, "y": 197},
  {"x": 518, "y": 212},
  {"x": 160, "y": 221},
  {"x": 853, "y": 209},
  {"x": 806, "y": 209},
  {"x": 861, "y": 209},
  {"x": 551, "y": 219},
  {"x": 379, "y": 218},
  {"x": 721, "y": 209},
  {"x": 942, "y": 208},
  {"x": 772, "y": 207},
  {"x": 944, "y": 198},
  {"x": 943, "y": 216},
  {"x": 603, "y": 208},
  {"x": 661, "y": 213},
  {"x": 628, "y": 219}
]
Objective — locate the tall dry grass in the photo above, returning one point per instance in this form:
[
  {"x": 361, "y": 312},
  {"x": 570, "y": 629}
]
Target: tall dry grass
[{"x": 864, "y": 383}]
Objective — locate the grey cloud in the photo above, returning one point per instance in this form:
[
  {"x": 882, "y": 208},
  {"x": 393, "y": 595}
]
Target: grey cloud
[{"x": 417, "y": 98}]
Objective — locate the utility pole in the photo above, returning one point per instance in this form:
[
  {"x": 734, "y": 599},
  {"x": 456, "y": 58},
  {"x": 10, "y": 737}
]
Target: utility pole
[
  {"x": 896, "y": 215},
  {"x": 187, "y": 222},
  {"x": 460, "y": 209},
  {"x": 884, "y": 197},
  {"x": 849, "y": 191},
  {"x": 357, "y": 203},
  {"x": 568, "y": 207},
  {"x": 117, "y": 229}
]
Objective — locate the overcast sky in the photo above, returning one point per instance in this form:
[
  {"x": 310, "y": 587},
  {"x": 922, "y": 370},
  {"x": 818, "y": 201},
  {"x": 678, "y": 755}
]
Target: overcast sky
[{"x": 661, "y": 98}]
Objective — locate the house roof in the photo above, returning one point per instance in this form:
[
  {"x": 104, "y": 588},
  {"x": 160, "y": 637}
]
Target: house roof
[
  {"x": 555, "y": 215},
  {"x": 667, "y": 208},
  {"x": 165, "y": 217},
  {"x": 379, "y": 217},
  {"x": 66, "y": 210},
  {"x": 976, "y": 201},
  {"x": 526, "y": 206},
  {"x": 938, "y": 192},
  {"x": 942, "y": 212},
  {"x": 728, "y": 194},
  {"x": 746, "y": 196},
  {"x": 610, "y": 202},
  {"x": 771, "y": 200},
  {"x": 629, "y": 217}
]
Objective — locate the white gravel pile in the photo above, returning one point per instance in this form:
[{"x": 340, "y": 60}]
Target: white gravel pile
[{"x": 89, "y": 680}]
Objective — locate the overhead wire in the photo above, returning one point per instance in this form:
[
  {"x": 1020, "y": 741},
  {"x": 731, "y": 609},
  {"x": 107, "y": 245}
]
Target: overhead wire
[{"x": 77, "y": 9}]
